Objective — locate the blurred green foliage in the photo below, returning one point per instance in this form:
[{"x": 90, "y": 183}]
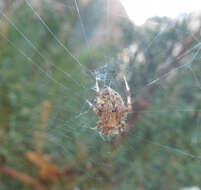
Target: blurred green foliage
[{"x": 44, "y": 119}]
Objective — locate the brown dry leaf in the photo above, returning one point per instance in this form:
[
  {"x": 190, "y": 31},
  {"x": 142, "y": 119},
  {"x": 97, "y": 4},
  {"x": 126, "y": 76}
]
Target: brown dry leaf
[{"x": 48, "y": 171}]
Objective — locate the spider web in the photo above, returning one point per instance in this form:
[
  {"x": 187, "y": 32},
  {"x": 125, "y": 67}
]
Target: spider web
[{"x": 49, "y": 71}]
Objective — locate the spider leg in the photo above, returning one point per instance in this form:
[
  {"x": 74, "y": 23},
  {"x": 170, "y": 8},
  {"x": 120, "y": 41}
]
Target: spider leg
[
  {"x": 98, "y": 126},
  {"x": 97, "y": 87},
  {"x": 129, "y": 109},
  {"x": 92, "y": 106}
]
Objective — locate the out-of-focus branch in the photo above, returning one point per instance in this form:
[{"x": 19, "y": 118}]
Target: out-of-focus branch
[
  {"x": 22, "y": 177},
  {"x": 142, "y": 104}
]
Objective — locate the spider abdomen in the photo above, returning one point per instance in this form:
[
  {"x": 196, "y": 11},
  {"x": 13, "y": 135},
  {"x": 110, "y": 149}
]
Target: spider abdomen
[{"x": 111, "y": 110}]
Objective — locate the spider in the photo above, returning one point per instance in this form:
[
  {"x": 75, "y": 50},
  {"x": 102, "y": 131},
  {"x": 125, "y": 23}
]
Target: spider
[{"x": 111, "y": 110}]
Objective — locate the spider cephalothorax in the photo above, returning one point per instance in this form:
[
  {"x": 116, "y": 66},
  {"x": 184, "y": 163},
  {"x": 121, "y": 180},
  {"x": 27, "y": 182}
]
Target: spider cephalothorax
[{"x": 111, "y": 110}]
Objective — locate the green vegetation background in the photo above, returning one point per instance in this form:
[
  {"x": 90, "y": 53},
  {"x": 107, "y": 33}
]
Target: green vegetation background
[{"x": 45, "y": 136}]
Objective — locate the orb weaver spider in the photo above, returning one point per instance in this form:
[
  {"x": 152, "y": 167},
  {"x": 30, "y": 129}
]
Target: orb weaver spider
[{"x": 111, "y": 110}]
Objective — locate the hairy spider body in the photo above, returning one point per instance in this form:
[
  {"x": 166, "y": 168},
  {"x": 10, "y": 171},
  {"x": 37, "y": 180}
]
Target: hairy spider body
[{"x": 111, "y": 110}]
